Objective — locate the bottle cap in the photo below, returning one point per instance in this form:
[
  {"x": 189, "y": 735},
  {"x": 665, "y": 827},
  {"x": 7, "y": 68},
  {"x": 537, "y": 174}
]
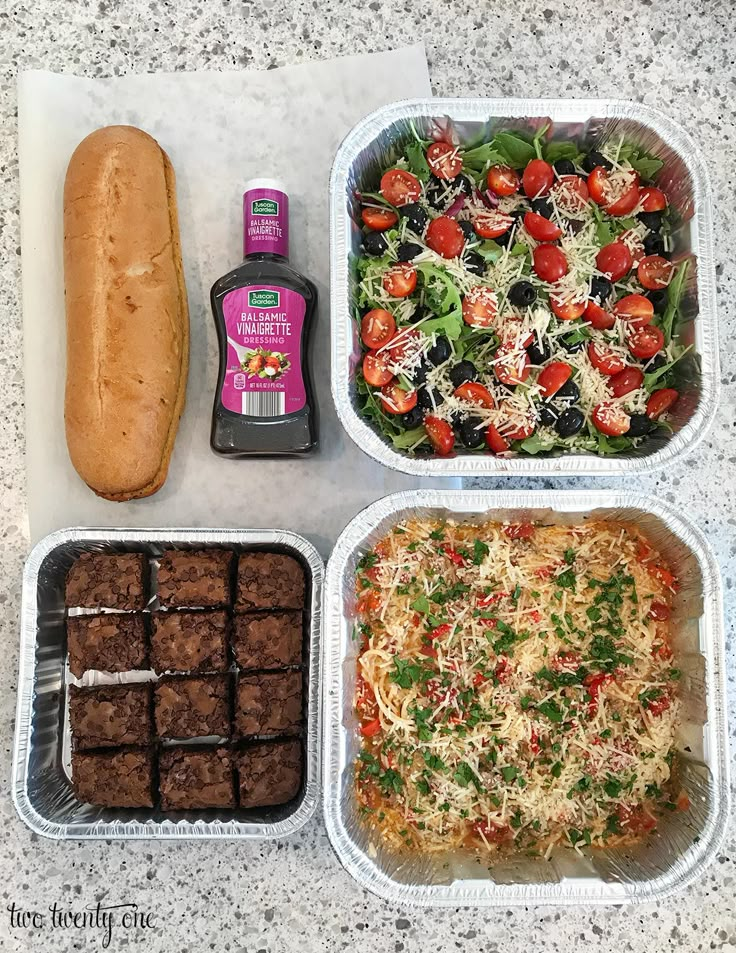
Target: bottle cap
[{"x": 265, "y": 218}]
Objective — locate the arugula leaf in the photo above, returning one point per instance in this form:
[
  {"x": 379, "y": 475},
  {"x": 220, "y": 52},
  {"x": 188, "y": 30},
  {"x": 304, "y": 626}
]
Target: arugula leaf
[
  {"x": 447, "y": 302},
  {"x": 483, "y": 155},
  {"x": 561, "y": 150},
  {"x": 675, "y": 291},
  {"x": 536, "y": 444},
  {"x": 409, "y": 438},
  {"x": 377, "y": 198},
  {"x": 651, "y": 379},
  {"x": 603, "y": 231},
  {"x": 417, "y": 160},
  {"x": 451, "y": 326},
  {"x": 518, "y": 250},
  {"x": 516, "y": 150},
  {"x": 538, "y": 139},
  {"x": 647, "y": 166},
  {"x": 613, "y": 444}
]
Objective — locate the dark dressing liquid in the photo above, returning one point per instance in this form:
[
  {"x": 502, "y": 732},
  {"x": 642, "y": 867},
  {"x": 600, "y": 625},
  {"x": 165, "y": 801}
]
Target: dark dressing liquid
[{"x": 264, "y": 312}]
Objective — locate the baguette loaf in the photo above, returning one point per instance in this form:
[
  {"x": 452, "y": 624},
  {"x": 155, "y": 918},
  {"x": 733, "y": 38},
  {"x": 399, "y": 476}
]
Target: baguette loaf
[{"x": 126, "y": 313}]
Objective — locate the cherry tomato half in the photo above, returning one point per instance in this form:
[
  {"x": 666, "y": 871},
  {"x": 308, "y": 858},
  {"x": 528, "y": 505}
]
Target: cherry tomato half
[
  {"x": 550, "y": 263},
  {"x": 659, "y": 611},
  {"x": 538, "y": 178},
  {"x": 553, "y": 376},
  {"x": 511, "y": 366},
  {"x": 604, "y": 359},
  {"x": 396, "y": 400},
  {"x": 444, "y": 161},
  {"x": 503, "y": 180},
  {"x": 614, "y": 261},
  {"x": 567, "y": 311},
  {"x": 635, "y": 245},
  {"x": 660, "y": 402},
  {"x": 377, "y": 327},
  {"x": 597, "y": 181},
  {"x": 445, "y": 236},
  {"x": 611, "y": 419},
  {"x": 652, "y": 199},
  {"x": 570, "y": 192},
  {"x": 522, "y": 426},
  {"x": 645, "y": 342},
  {"x": 376, "y": 368},
  {"x": 371, "y": 728},
  {"x": 597, "y": 317},
  {"x": 540, "y": 228},
  {"x": 494, "y": 441},
  {"x": 635, "y": 309},
  {"x": 475, "y": 393},
  {"x": 519, "y": 530},
  {"x": 404, "y": 345},
  {"x": 400, "y": 280},
  {"x": 491, "y": 223},
  {"x": 655, "y": 272},
  {"x": 627, "y": 200},
  {"x": 480, "y": 307},
  {"x": 440, "y": 434},
  {"x": 379, "y": 219},
  {"x": 400, "y": 187},
  {"x": 626, "y": 381}
]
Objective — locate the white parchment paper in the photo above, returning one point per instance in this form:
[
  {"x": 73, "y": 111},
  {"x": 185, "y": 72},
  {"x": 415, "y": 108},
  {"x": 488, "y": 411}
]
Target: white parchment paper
[{"x": 219, "y": 129}]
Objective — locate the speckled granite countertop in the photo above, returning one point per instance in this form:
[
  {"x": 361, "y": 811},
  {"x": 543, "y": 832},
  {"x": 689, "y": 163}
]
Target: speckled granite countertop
[{"x": 674, "y": 54}]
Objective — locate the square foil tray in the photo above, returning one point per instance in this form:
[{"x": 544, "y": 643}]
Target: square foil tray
[
  {"x": 379, "y": 139},
  {"x": 685, "y": 842},
  {"x": 41, "y": 782}
]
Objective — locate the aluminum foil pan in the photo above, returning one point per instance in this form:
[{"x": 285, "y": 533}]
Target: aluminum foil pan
[
  {"x": 379, "y": 138},
  {"x": 41, "y": 782},
  {"x": 686, "y": 842}
]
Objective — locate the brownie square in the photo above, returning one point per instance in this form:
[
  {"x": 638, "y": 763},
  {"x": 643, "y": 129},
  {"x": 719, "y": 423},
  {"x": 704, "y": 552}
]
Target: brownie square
[
  {"x": 269, "y": 773},
  {"x": 268, "y": 639},
  {"x": 121, "y": 778},
  {"x": 189, "y": 642},
  {"x": 269, "y": 581},
  {"x": 193, "y": 579},
  {"x": 193, "y": 707},
  {"x": 196, "y": 778},
  {"x": 106, "y": 643},
  {"x": 106, "y": 580},
  {"x": 269, "y": 704},
  {"x": 110, "y": 715}
]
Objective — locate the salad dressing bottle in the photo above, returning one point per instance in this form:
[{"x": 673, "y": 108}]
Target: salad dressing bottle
[{"x": 264, "y": 312}]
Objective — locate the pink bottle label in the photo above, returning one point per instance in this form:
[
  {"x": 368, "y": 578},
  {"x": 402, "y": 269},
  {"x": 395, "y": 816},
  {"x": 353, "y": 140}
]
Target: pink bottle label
[
  {"x": 266, "y": 222},
  {"x": 263, "y": 377}
]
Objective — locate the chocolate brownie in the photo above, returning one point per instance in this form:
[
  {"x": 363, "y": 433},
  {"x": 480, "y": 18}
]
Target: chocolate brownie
[
  {"x": 269, "y": 773},
  {"x": 194, "y": 578},
  {"x": 269, "y": 581},
  {"x": 269, "y": 704},
  {"x": 196, "y": 778},
  {"x": 106, "y": 580},
  {"x": 122, "y": 778},
  {"x": 268, "y": 639},
  {"x": 110, "y": 715},
  {"x": 106, "y": 643},
  {"x": 189, "y": 642},
  {"x": 193, "y": 707}
]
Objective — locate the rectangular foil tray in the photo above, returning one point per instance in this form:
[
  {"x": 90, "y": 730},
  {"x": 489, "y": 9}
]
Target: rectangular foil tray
[
  {"x": 41, "y": 784},
  {"x": 685, "y": 843},
  {"x": 377, "y": 140}
]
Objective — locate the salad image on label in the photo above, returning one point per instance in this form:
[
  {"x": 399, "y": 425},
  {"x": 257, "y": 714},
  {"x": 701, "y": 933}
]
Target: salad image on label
[
  {"x": 265, "y": 364},
  {"x": 518, "y": 296}
]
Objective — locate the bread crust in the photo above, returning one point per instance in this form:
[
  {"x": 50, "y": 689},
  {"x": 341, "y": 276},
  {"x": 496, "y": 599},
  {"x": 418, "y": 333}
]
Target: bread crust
[{"x": 127, "y": 314}]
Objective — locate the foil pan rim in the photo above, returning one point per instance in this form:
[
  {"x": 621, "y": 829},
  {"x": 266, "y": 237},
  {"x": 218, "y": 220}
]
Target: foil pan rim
[
  {"x": 570, "y": 464},
  {"x": 484, "y": 893},
  {"x": 155, "y": 830}
]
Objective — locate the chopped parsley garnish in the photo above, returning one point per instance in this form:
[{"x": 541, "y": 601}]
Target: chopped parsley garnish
[{"x": 480, "y": 551}]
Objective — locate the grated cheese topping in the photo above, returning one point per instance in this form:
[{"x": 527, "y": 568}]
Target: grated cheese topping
[{"x": 516, "y": 686}]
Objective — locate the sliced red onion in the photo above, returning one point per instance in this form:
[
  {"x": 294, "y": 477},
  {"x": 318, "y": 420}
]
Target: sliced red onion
[
  {"x": 490, "y": 199},
  {"x": 456, "y": 206}
]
